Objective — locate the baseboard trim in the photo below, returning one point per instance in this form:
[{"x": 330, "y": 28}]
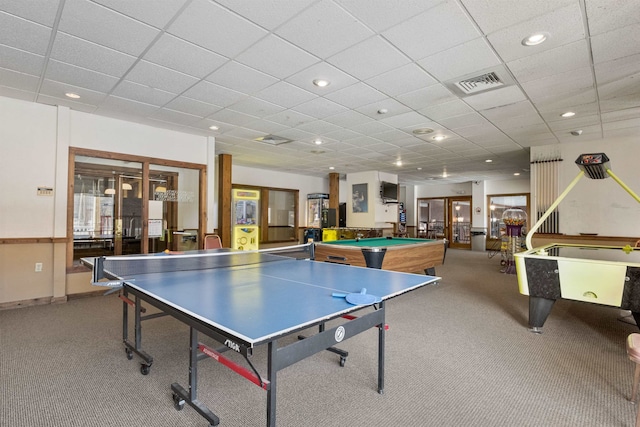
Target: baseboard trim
[{"x": 25, "y": 303}]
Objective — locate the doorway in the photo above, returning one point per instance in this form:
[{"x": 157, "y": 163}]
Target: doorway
[{"x": 460, "y": 222}]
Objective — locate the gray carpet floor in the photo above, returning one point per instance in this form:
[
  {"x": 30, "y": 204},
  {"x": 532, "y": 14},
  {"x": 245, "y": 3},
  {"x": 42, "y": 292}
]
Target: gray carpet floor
[{"x": 458, "y": 354}]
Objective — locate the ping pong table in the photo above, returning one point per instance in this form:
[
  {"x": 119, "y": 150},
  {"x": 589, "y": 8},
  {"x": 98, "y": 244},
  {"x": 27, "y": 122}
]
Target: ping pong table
[{"x": 247, "y": 299}]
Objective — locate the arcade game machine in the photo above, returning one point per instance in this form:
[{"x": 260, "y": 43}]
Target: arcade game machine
[
  {"x": 317, "y": 216},
  {"x": 597, "y": 274},
  {"x": 245, "y": 222}
]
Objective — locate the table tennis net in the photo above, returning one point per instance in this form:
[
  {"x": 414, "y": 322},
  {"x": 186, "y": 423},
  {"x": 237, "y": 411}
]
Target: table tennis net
[{"x": 117, "y": 269}]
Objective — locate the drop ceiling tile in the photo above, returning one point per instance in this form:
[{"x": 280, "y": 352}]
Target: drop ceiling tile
[
  {"x": 506, "y": 111},
  {"x": 496, "y": 98},
  {"x": 607, "y": 46},
  {"x": 408, "y": 120},
  {"x": 558, "y": 84},
  {"x": 21, "y": 61},
  {"x": 290, "y": 118},
  {"x": 318, "y": 127},
  {"x": 370, "y": 127},
  {"x": 431, "y": 95},
  {"x": 125, "y": 107},
  {"x": 106, "y": 27},
  {"x": 182, "y": 56},
  {"x": 69, "y": 74},
  {"x": 469, "y": 119},
  {"x": 319, "y": 108},
  {"x": 256, "y": 107},
  {"x": 568, "y": 100},
  {"x": 24, "y": 35},
  {"x": 564, "y": 24},
  {"x": 569, "y": 57},
  {"x": 215, "y": 28},
  {"x": 460, "y": 60},
  {"x": 381, "y": 15},
  {"x": 265, "y": 127},
  {"x": 454, "y": 107},
  {"x": 65, "y": 102},
  {"x": 342, "y": 134},
  {"x": 324, "y": 29},
  {"x": 440, "y": 28},
  {"x": 144, "y": 11},
  {"x": 269, "y": 17},
  {"x": 618, "y": 69},
  {"x": 42, "y": 11},
  {"x": 214, "y": 94},
  {"x": 232, "y": 117},
  {"x": 57, "y": 90},
  {"x": 356, "y": 95},
  {"x": 241, "y": 78},
  {"x": 369, "y": 58},
  {"x": 85, "y": 54},
  {"x": 576, "y": 122},
  {"x": 11, "y": 92},
  {"x": 19, "y": 81},
  {"x": 338, "y": 79},
  {"x": 392, "y": 106},
  {"x": 604, "y": 15},
  {"x": 160, "y": 77},
  {"x": 349, "y": 118},
  {"x": 276, "y": 57},
  {"x": 406, "y": 78},
  {"x": 141, "y": 93},
  {"x": 171, "y": 116},
  {"x": 192, "y": 106},
  {"x": 492, "y": 16},
  {"x": 285, "y": 94}
]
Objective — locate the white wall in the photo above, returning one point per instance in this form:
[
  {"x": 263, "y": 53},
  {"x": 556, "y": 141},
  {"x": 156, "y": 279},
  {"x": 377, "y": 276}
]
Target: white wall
[
  {"x": 27, "y": 161},
  {"x": 598, "y": 206},
  {"x": 378, "y": 215},
  {"x": 34, "y": 139}
]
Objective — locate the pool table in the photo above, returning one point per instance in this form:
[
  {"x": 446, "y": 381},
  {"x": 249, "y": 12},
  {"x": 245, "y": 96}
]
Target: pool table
[
  {"x": 389, "y": 253},
  {"x": 607, "y": 275}
]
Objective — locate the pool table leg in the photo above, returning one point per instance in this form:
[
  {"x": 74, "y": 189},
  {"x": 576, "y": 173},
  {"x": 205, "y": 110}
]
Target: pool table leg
[
  {"x": 636, "y": 317},
  {"x": 539, "y": 309},
  {"x": 431, "y": 271}
]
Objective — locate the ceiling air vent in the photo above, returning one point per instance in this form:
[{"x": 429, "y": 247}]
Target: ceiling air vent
[
  {"x": 480, "y": 83},
  {"x": 273, "y": 140}
]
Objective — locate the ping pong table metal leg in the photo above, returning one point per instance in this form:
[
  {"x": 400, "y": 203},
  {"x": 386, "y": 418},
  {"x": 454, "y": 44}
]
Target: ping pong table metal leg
[
  {"x": 272, "y": 370},
  {"x": 381, "y": 335},
  {"x": 181, "y": 396},
  {"x": 136, "y": 347}
]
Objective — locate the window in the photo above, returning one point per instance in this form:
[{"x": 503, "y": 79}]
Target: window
[{"x": 128, "y": 205}]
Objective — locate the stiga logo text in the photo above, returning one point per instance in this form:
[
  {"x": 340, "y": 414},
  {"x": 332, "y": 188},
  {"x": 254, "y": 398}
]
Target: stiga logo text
[{"x": 232, "y": 345}]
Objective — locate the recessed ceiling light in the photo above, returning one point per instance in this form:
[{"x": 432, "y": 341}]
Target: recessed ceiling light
[
  {"x": 535, "y": 39},
  {"x": 383, "y": 111},
  {"x": 214, "y": 127},
  {"x": 331, "y": 168},
  {"x": 321, "y": 82},
  {"x": 399, "y": 163},
  {"x": 444, "y": 174},
  {"x": 439, "y": 137},
  {"x": 419, "y": 169},
  {"x": 422, "y": 131},
  {"x": 517, "y": 174},
  {"x": 568, "y": 114},
  {"x": 488, "y": 161},
  {"x": 72, "y": 95},
  {"x": 318, "y": 141}
]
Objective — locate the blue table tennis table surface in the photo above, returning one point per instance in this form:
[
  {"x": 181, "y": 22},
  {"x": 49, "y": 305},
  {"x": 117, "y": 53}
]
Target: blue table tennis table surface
[{"x": 258, "y": 302}]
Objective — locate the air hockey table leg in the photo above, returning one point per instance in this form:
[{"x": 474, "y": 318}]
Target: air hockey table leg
[{"x": 539, "y": 309}]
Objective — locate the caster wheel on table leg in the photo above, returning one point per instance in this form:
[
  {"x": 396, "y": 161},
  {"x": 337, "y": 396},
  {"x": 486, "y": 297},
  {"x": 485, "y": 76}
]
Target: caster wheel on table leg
[
  {"x": 178, "y": 402},
  {"x": 129, "y": 353},
  {"x": 145, "y": 369},
  {"x": 343, "y": 360}
]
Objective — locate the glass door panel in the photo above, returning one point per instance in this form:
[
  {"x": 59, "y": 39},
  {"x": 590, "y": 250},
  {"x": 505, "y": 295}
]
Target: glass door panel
[
  {"x": 281, "y": 216},
  {"x": 460, "y": 224},
  {"x": 105, "y": 212},
  {"x": 174, "y": 209},
  {"x": 432, "y": 219}
]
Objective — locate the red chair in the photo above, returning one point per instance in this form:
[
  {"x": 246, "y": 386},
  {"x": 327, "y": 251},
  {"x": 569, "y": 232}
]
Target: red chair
[{"x": 212, "y": 241}]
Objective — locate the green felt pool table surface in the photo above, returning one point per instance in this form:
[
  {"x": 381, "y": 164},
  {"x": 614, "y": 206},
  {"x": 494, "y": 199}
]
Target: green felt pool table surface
[{"x": 379, "y": 242}]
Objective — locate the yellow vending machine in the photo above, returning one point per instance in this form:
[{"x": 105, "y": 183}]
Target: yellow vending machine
[{"x": 246, "y": 231}]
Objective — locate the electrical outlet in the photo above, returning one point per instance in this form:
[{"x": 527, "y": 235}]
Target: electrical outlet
[{"x": 38, "y": 267}]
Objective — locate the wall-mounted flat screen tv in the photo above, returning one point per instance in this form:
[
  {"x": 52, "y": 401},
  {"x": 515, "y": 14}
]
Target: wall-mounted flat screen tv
[{"x": 389, "y": 191}]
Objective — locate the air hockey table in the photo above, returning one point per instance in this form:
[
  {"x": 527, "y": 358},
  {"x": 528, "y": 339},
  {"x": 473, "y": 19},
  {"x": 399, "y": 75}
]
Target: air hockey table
[{"x": 606, "y": 275}]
